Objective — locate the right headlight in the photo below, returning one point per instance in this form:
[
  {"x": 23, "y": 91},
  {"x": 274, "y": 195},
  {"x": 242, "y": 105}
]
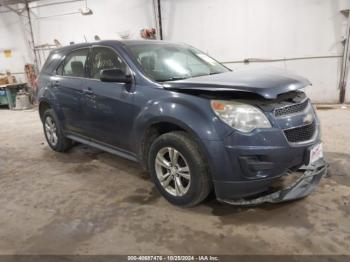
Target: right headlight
[{"x": 242, "y": 117}]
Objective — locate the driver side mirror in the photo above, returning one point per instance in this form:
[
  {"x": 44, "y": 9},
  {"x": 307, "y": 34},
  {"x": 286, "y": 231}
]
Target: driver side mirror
[{"x": 114, "y": 75}]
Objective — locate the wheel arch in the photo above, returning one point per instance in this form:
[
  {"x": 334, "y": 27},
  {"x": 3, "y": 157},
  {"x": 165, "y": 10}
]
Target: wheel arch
[
  {"x": 43, "y": 106},
  {"x": 159, "y": 127}
]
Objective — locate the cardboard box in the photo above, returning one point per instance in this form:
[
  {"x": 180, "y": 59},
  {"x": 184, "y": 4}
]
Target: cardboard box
[
  {"x": 3, "y": 80},
  {"x": 7, "y": 79}
]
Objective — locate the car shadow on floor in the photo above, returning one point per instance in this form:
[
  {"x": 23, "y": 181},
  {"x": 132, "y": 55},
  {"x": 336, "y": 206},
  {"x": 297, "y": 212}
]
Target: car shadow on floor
[{"x": 286, "y": 214}]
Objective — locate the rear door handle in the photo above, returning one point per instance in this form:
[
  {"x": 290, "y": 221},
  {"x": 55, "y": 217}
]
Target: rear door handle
[{"x": 55, "y": 83}]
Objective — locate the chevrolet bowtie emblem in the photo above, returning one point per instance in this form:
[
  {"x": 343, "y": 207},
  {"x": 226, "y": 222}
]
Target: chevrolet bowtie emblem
[{"x": 308, "y": 119}]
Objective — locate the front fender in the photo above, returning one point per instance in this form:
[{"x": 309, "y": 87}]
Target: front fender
[{"x": 194, "y": 116}]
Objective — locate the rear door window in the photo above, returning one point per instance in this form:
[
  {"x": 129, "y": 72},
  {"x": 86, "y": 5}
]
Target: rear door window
[{"x": 74, "y": 64}]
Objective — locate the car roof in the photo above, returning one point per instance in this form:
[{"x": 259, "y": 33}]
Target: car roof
[{"x": 68, "y": 48}]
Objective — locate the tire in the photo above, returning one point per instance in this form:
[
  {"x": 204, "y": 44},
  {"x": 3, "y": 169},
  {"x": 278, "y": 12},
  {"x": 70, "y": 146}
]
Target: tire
[
  {"x": 53, "y": 132},
  {"x": 171, "y": 178}
]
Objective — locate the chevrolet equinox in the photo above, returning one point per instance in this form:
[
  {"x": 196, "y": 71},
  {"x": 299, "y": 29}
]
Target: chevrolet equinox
[{"x": 193, "y": 123}]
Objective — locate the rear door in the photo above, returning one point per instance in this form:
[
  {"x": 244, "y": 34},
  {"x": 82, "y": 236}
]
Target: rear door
[{"x": 67, "y": 84}]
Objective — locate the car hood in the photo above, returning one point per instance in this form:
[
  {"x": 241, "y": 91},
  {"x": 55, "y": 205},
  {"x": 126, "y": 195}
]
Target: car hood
[{"x": 268, "y": 83}]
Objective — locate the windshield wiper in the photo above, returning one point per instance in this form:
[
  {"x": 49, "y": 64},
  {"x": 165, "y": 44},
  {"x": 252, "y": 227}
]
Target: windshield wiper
[
  {"x": 213, "y": 73},
  {"x": 172, "y": 79}
]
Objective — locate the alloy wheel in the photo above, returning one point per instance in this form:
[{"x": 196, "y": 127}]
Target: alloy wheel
[
  {"x": 51, "y": 131},
  {"x": 172, "y": 171}
]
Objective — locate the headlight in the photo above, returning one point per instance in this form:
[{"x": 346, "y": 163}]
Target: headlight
[{"x": 242, "y": 117}]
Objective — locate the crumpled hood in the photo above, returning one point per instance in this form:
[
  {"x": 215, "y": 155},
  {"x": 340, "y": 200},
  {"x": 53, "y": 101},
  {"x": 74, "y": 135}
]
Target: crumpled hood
[{"x": 267, "y": 82}]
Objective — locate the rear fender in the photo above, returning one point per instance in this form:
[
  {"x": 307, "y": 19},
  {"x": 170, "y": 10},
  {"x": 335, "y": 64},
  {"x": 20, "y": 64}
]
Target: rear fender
[{"x": 46, "y": 95}]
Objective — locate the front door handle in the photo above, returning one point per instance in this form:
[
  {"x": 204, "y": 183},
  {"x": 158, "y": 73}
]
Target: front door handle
[{"x": 88, "y": 91}]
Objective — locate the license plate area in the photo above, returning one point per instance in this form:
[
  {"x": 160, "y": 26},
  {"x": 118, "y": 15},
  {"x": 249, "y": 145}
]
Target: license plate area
[{"x": 315, "y": 153}]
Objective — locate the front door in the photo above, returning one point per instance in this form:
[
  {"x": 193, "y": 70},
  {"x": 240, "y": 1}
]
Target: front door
[{"x": 110, "y": 109}]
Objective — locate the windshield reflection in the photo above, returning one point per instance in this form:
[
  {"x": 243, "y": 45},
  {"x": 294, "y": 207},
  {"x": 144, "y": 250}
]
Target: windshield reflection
[{"x": 169, "y": 62}]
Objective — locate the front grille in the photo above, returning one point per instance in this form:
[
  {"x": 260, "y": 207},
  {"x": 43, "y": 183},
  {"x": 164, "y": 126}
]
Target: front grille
[
  {"x": 292, "y": 109},
  {"x": 300, "y": 134}
]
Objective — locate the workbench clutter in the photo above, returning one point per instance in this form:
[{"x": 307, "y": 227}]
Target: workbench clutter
[
  {"x": 7, "y": 79},
  {"x": 12, "y": 94}
]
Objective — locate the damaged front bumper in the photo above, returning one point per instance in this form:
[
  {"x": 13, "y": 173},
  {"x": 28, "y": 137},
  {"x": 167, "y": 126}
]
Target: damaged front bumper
[{"x": 301, "y": 187}]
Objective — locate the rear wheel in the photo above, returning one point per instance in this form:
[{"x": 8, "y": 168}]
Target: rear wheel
[
  {"x": 178, "y": 169},
  {"x": 53, "y": 132}
]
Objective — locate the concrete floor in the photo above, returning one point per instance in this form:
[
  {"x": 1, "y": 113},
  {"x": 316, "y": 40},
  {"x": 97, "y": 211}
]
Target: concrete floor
[{"x": 91, "y": 202}]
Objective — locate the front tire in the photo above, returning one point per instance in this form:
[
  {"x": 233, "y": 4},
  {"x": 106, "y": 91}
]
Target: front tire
[
  {"x": 54, "y": 133},
  {"x": 179, "y": 169}
]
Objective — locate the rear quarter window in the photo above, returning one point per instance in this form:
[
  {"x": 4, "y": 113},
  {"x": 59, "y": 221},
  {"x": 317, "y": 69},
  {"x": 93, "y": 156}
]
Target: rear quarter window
[{"x": 51, "y": 62}]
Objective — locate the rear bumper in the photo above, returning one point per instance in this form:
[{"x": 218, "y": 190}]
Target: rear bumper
[{"x": 303, "y": 186}]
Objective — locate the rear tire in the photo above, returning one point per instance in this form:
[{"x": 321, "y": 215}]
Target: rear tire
[
  {"x": 53, "y": 132},
  {"x": 179, "y": 169}
]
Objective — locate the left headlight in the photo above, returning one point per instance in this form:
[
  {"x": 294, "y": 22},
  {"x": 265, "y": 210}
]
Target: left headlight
[{"x": 242, "y": 117}]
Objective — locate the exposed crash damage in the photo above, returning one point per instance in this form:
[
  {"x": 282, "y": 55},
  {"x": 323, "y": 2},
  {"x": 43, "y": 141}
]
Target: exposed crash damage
[
  {"x": 308, "y": 177},
  {"x": 272, "y": 91},
  {"x": 265, "y": 83}
]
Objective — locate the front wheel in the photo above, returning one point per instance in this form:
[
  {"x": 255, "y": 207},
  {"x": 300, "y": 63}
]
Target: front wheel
[{"x": 179, "y": 169}]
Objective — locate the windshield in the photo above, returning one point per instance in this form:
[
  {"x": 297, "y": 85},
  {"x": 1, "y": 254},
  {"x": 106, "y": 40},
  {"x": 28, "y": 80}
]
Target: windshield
[{"x": 169, "y": 62}]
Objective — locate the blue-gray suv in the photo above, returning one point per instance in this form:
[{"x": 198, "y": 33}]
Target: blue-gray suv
[{"x": 194, "y": 124}]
